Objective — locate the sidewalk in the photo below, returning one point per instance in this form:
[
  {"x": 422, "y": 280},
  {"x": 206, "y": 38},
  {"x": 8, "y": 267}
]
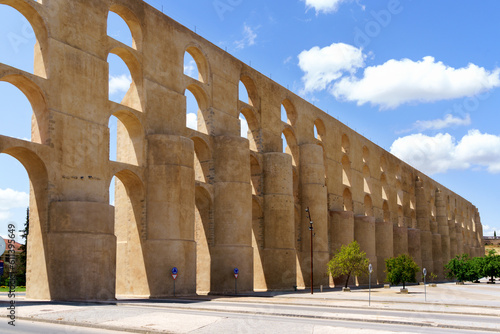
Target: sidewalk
[{"x": 145, "y": 315}]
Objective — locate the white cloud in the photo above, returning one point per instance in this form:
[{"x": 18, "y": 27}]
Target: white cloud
[
  {"x": 441, "y": 153},
  {"x": 11, "y": 199},
  {"x": 192, "y": 121},
  {"x": 489, "y": 230},
  {"x": 397, "y": 82},
  {"x": 325, "y": 6},
  {"x": 447, "y": 121},
  {"x": 190, "y": 69},
  {"x": 249, "y": 37},
  {"x": 120, "y": 83},
  {"x": 322, "y": 66}
]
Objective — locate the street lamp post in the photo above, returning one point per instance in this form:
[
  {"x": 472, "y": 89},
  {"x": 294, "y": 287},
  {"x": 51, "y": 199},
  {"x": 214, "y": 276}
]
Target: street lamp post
[{"x": 311, "y": 229}]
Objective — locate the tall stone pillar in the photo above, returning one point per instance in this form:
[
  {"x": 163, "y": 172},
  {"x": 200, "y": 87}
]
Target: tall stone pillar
[
  {"x": 341, "y": 233},
  {"x": 232, "y": 216},
  {"x": 479, "y": 231},
  {"x": 453, "y": 238},
  {"x": 400, "y": 240},
  {"x": 278, "y": 255},
  {"x": 314, "y": 196},
  {"x": 170, "y": 222},
  {"x": 82, "y": 251},
  {"x": 460, "y": 240},
  {"x": 423, "y": 224},
  {"x": 364, "y": 234},
  {"x": 384, "y": 247},
  {"x": 442, "y": 220},
  {"x": 415, "y": 248}
]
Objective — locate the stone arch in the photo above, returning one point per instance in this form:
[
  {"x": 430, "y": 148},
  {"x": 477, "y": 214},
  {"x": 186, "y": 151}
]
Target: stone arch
[
  {"x": 201, "y": 62},
  {"x": 130, "y": 138},
  {"x": 130, "y": 232},
  {"x": 368, "y": 205},
  {"x": 121, "y": 32},
  {"x": 256, "y": 175},
  {"x": 253, "y": 134},
  {"x": 38, "y": 260},
  {"x": 347, "y": 200},
  {"x": 386, "y": 211},
  {"x": 366, "y": 155},
  {"x": 133, "y": 23},
  {"x": 31, "y": 14},
  {"x": 251, "y": 89},
  {"x": 203, "y": 116},
  {"x": 346, "y": 144},
  {"x": 292, "y": 147},
  {"x": 202, "y": 160},
  {"x": 134, "y": 96},
  {"x": 291, "y": 113},
  {"x": 385, "y": 190},
  {"x": 204, "y": 238},
  {"x": 383, "y": 164},
  {"x": 40, "y": 118},
  {"x": 320, "y": 130},
  {"x": 346, "y": 171},
  {"x": 400, "y": 216},
  {"x": 366, "y": 179}
]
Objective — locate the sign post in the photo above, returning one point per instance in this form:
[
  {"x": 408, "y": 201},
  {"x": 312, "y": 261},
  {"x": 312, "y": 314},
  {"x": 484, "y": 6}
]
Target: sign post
[
  {"x": 370, "y": 269},
  {"x": 236, "y": 274},
  {"x": 174, "y": 276},
  {"x": 425, "y": 287}
]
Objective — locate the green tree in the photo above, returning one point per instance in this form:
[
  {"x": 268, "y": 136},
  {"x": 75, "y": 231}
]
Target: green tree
[
  {"x": 463, "y": 268},
  {"x": 495, "y": 234},
  {"x": 349, "y": 261},
  {"x": 401, "y": 269},
  {"x": 476, "y": 269},
  {"x": 491, "y": 265},
  {"x": 21, "y": 267}
]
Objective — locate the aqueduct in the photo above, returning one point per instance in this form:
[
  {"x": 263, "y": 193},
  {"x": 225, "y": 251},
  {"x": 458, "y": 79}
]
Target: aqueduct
[{"x": 207, "y": 200}]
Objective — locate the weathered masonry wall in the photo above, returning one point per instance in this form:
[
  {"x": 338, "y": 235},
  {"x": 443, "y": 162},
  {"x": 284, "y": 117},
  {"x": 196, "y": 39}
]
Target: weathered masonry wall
[{"x": 204, "y": 201}]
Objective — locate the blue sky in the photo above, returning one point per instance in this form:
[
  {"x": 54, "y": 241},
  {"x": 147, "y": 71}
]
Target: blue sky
[{"x": 419, "y": 78}]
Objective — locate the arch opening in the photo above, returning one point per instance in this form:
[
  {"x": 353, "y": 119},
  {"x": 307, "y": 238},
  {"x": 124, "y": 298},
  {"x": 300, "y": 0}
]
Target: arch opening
[
  {"x": 119, "y": 30},
  {"x": 38, "y": 279},
  {"x": 20, "y": 46},
  {"x": 132, "y": 23},
  {"x": 288, "y": 113},
  {"x": 346, "y": 171},
  {"x": 197, "y": 115},
  {"x": 202, "y": 160},
  {"x": 126, "y": 138},
  {"x": 204, "y": 240},
  {"x": 123, "y": 86},
  {"x": 195, "y": 64},
  {"x": 347, "y": 200},
  {"x": 126, "y": 195},
  {"x": 290, "y": 145}
]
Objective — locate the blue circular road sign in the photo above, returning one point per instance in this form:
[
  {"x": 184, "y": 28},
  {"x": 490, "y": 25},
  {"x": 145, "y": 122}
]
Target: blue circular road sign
[
  {"x": 236, "y": 270},
  {"x": 174, "y": 270}
]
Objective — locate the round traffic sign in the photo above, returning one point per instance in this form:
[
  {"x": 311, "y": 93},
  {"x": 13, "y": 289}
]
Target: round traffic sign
[
  {"x": 236, "y": 271},
  {"x": 425, "y": 271},
  {"x": 370, "y": 268},
  {"x": 174, "y": 270}
]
